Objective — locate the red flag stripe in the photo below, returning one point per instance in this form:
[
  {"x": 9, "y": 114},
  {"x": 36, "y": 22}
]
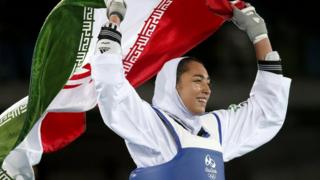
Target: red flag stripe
[
  {"x": 71, "y": 86},
  {"x": 60, "y": 129},
  {"x": 82, "y": 75}
]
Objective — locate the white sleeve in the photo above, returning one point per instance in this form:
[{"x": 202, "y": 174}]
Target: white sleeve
[
  {"x": 256, "y": 121},
  {"x": 121, "y": 107}
]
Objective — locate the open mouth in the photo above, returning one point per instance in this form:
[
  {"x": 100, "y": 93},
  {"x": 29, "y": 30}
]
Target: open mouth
[{"x": 202, "y": 100}]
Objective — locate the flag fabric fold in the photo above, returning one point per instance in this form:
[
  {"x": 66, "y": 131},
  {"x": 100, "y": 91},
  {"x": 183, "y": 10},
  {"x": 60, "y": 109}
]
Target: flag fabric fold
[{"x": 61, "y": 89}]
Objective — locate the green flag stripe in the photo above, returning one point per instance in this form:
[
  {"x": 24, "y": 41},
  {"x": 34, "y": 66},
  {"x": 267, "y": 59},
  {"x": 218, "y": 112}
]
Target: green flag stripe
[
  {"x": 11, "y": 121},
  {"x": 86, "y": 36},
  {"x": 13, "y": 113},
  {"x": 55, "y": 57},
  {"x": 53, "y": 60}
]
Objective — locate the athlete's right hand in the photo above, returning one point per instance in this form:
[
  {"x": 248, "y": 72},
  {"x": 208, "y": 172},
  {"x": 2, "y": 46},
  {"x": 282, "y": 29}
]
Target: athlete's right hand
[{"x": 109, "y": 40}]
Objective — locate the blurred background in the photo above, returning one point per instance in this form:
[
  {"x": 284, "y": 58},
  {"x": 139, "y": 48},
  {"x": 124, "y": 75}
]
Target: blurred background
[{"x": 100, "y": 154}]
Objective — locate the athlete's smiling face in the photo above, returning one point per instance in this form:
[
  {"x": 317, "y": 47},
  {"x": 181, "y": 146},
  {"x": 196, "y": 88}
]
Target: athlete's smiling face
[{"x": 193, "y": 87}]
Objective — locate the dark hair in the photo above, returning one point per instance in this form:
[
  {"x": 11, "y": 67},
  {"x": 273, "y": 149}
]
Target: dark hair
[{"x": 182, "y": 66}]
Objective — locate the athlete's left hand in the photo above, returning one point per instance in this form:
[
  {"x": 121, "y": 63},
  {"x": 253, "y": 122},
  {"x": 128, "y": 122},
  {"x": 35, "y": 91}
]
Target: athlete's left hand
[{"x": 248, "y": 20}]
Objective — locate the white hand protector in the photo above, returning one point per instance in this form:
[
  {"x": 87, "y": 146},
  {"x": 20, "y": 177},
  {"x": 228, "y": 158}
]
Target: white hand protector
[
  {"x": 248, "y": 20},
  {"x": 116, "y": 7},
  {"x": 109, "y": 40}
]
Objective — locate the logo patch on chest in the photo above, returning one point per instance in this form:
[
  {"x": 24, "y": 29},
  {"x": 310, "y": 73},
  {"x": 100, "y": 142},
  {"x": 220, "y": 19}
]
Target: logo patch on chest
[{"x": 210, "y": 167}]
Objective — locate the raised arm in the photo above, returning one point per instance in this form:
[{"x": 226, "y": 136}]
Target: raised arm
[
  {"x": 257, "y": 120},
  {"x": 121, "y": 107}
]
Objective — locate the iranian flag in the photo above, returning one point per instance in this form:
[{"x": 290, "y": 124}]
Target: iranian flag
[{"x": 61, "y": 89}]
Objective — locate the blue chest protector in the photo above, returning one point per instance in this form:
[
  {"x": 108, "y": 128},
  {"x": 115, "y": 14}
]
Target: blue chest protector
[{"x": 190, "y": 163}]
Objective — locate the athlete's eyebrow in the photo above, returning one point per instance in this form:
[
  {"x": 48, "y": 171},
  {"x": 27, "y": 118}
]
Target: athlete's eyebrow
[{"x": 201, "y": 76}]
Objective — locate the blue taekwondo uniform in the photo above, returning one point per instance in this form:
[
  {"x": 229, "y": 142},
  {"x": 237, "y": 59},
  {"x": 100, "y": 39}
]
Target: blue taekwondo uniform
[{"x": 202, "y": 162}]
